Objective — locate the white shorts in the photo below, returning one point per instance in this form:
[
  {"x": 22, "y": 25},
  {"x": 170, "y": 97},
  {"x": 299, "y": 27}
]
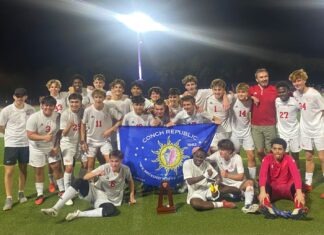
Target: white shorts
[
  {"x": 293, "y": 144},
  {"x": 218, "y": 137},
  {"x": 39, "y": 158},
  {"x": 105, "y": 149},
  {"x": 96, "y": 197},
  {"x": 307, "y": 143},
  {"x": 247, "y": 143},
  {"x": 204, "y": 195},
  {"x": 69, "y": 153},
  {"x": 232, "y": 183}
]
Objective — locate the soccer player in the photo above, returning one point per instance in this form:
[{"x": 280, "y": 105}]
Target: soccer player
[
  {"x": 241, "y": 126},
  {"x": 173, "y": 102},
  {"x": 99, "y": 82},
  {"x": 97, "y": 127},
  {"x": 198, "y": 173},
  {"x": 287, "y": 109},
  {"x": 280, "y": 179},
  {"x": 231, "y": 169},
  {"x": 160, "y": 113},
  {"x": 263, "y": 115},
  {"x": 77, "y": 87},
  {"x": 137, "y": 117},
  {"x": 137, "y": 90},
  {"x": 155, "y": 93},
  {"x": 104, "y": 195},
  {"x": 44, "y": 135},
  {"x": 13, "y": 120},
  {"x": 311, "y": 105}
]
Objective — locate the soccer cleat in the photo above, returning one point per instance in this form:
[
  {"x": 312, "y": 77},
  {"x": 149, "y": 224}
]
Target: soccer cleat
[
  {"x": 268, "y": 212},
  {"x": 252, "y": 208},
  {"x": 308, "y": 188},
  {"x": 322, "y": 196},
  {"x": 227, "y": 204},
  {"x": 51, "y": 187},
  {"x": 299, "y": 213},
  {"x": 73, "y": 215},
  {"x": 21, "y": 197},
  {"x": 8, "y": 204},
  {"x": 49, "y": 211},
  {"x": 69, "y": 202},
  {"x": 39, "y": 200}
]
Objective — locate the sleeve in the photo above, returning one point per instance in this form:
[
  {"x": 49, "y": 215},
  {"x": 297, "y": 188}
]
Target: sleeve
[
  {"x": 115, "y": 113},
  {"x": 99, "y": 170},
  {"x": 125, "y": 121},
  {"x": 3, "y": 117},
  {"x": 263, "y": 175},
  {"x": 186, "y": 169},
  {"x": 294, "y": 172},
  {"x": 31, "y": 124},
  {"x": 63, "y": 120},
  {"x": 239, "y": 164},
  {"x": 128, "y": 174},
  {"x": 212, "y": 157},
  {"x": 85, "y": 116}
]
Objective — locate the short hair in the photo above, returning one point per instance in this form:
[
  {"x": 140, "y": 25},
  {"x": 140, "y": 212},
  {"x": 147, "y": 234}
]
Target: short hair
[
  {"x": 218, "y": 83},
  {"x": 99, "y": 92},
  {"x": 196, "y": 150},
  {"x": 298, "y": 74},
  {"x": 260, "y": 70},
  {"x": 174, "y": 91},
  {"x": 78, "y": 76},
  {"x": 189, "y": 98},
  {"x": 48, "y": 100},
  {"x": 189, "y": 78},
  {"x": 160, "y": 102},
  {"x": 226, "y": 144},
  {"x": 57, "y": 82},
  {"x": 279, "y": 141},
  {"x": 75, "y": 96},
  {"x": 116, "y": 153},
  {"x": 117, "y": 81},
  {"x": 283, "y": 84},
  {"x": 155, "y": 89},
  {"x": 135, "y": 83},
  {"x": 242, "y": 86},
  {"x": 138, "y": 99},
  {"x": 99, "y": 76}
]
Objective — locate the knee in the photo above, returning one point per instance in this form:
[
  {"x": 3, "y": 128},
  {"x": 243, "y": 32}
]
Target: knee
[
  {"x": 77, "y": 184},
  {"x": 108, "y": 209}
]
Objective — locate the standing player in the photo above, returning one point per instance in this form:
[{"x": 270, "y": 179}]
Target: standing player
[
  {"x": 104, "y": 195},
  {"x": 137, "y": 90},
  {"x": 99, "y": 82},
  {"x": 137, "y": 117},
  {"x": 311, "y": 105},
  {"x": 287, "y": 109},
  {"x": 44, "y": 135},
  {"x": 173, "y": 102},
  {"x": 13, "y": 120},
  {"x": 77, "y": 87},
  {"x": 160, "y": 113},
  {"x": 241, "y": 126}
]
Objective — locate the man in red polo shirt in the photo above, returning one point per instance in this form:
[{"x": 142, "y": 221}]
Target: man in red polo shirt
[{"x": 263, "y": 118}]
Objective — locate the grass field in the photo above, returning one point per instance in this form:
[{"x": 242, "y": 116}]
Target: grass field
[{"x": 143, "y": 219}]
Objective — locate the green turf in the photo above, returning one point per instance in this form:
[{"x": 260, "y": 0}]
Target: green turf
[{"x": 143, "y": 219}]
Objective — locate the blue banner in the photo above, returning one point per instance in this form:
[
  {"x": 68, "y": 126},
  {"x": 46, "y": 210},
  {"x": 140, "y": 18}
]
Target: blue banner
[{"x": 155, "y": 154}]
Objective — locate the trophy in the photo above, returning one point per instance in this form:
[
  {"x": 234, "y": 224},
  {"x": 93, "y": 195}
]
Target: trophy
[{"x": 165, "y": 190}]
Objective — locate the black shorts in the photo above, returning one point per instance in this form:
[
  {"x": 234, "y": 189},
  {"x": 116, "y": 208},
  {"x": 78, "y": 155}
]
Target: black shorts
[{"x": 14, "y": 154}]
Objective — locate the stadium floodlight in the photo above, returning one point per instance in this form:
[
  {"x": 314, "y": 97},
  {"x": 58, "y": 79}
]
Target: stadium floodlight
[{"x": 140, "y": 23}]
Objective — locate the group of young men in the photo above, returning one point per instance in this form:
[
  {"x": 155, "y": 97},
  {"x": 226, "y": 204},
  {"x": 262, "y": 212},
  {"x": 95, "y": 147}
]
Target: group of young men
[{"x": 83, "y": 124}]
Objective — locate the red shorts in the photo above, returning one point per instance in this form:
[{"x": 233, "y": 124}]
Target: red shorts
[{"x": 282, "y": 191}]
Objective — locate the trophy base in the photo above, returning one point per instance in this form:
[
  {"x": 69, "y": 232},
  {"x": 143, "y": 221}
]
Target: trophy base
[{"x": 166, "y": 209}]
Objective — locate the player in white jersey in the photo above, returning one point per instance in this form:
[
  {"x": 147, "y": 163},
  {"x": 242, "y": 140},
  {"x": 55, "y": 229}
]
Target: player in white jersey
[
  {"x": 54, "y": 86},
  {"x": 241, "y": 126},
  {"x": 137, "y": 117},
  {"x": 215, "y": 107},
  {"x": 137, "y": 90},
  {"x": 99, "y": 82},
  {"x": 104, "y": 195},
  {"x": 97, "y": 127},
  {"x": 230, "y": 166},
  {"x": 311, "y": 105},
  {"x": 13, "y": 120},
  {"x": 44, "y": 135},
  {"x": 77, "y": 87},
  {"x": 199, "y": 175},
  {"x": 287, "y": 111},
  {"x": 160, "y": 113},
  {"x": 173, "y": 102}
]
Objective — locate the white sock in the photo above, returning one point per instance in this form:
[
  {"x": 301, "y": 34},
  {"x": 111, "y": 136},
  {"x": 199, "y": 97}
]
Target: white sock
[
  {"x": 69, "y": 194},
  {"x": 218, "y": 204},
  {"x": 39, "y": 188},
  {"x": 308, "y": 178},
  {"x": 248, "y": 194},
  {"x": 91, "y": 213},
  {"x": 67, "y": 179},
  {"x": 51, "y": 178},
  {"x": 252, "y": 172},
  {"x": 60, "y": 184}
]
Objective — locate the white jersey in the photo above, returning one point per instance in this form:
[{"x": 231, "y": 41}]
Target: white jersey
[
  {"x": 98, "y": 121},
  {"x": 240, "y": 118},
  {"x": 215, "y": 108},
  {"x": 123, "y": 105},
  {"x": 67, "y": 117},
  {"x": 14, "y": 121},
  {"x": 112, "y": 183},
  {"x": 287, "y": 118},
  {"x": 311, "y": 105},
  {"x": 43, "y": 125},
  {"x": 173, "y": 111},
  {"x": 190, "y": 170},
  {"x": 201, "y": 97},
  {"x": 84, "y": 94},
  {"x": 61, "y": 104},
  {"x": 132, "y": 119},
  {"x": 234, "y": 165},
  {"x": 197, "y": 118}
]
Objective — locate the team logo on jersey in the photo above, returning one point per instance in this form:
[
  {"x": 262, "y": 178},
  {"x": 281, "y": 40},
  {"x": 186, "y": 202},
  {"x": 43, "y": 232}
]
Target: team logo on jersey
[{"x": 170, "y": 156}]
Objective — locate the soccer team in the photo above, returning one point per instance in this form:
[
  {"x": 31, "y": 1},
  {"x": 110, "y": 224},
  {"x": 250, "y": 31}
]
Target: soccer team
[{"x": 82, "y": 124}]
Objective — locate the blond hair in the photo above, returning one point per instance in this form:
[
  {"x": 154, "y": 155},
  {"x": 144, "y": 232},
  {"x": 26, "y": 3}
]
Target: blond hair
[
  {"x": 218, "y": 83},
  {"x": 242, "y": 86},
  {"x": 300, "y": 73},
  {"x": 55, "y": 81}
]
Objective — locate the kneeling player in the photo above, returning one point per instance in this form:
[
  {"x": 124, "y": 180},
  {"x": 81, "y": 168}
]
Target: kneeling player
[
  {"x": 104, "y": 195},
  {"x": 280, "y": 179}
]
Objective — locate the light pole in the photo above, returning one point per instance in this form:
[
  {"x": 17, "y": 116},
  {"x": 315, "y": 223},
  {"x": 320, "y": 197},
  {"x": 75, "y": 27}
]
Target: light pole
[{"x": 140, "y": 23}]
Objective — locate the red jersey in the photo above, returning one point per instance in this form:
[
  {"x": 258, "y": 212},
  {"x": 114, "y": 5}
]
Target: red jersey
[
  {"x": 263, "y": 114},
  {"x": 279, "y": 173}
]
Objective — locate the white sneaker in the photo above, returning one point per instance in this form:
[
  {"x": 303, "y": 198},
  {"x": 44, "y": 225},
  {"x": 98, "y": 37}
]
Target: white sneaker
[
  {"x": 21, "y": 197},
  {"x": 69, "y": 202},
  {"x": 73, "y": 215},
  {"x": 49, "y": 211},
  {"x": 8, "y": 204},
  {"x": 253, "y": 208}
]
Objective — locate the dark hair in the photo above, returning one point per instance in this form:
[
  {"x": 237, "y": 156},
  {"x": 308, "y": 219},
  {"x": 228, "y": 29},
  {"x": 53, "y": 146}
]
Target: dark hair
[
  {"x": 279, "y": 141},
  {"x": 188, "y": 98},
  {"x": 116, "y": 153},
  {"x": 174, "y": 91},
  {"x": 48, "y": 100},
  {"x": 160, "y": 102},
  {"x": 138, "y": 99},
  {"x": 226, "y": 144},
  {"x": 77, "y": 76},
  {"x": 283, "y": 84},
  {"x": 155, "y": 89},
  {"x": 135, "y": 83},
  {"x": 75, "y": 96}
]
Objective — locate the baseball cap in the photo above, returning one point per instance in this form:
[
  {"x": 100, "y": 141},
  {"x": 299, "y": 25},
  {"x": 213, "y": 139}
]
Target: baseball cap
[{"x": 20, "y": 92}]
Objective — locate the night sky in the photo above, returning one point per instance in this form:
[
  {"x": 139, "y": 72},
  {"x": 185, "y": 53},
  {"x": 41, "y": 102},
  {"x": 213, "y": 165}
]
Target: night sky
[{"x": 228, "y": 39}]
